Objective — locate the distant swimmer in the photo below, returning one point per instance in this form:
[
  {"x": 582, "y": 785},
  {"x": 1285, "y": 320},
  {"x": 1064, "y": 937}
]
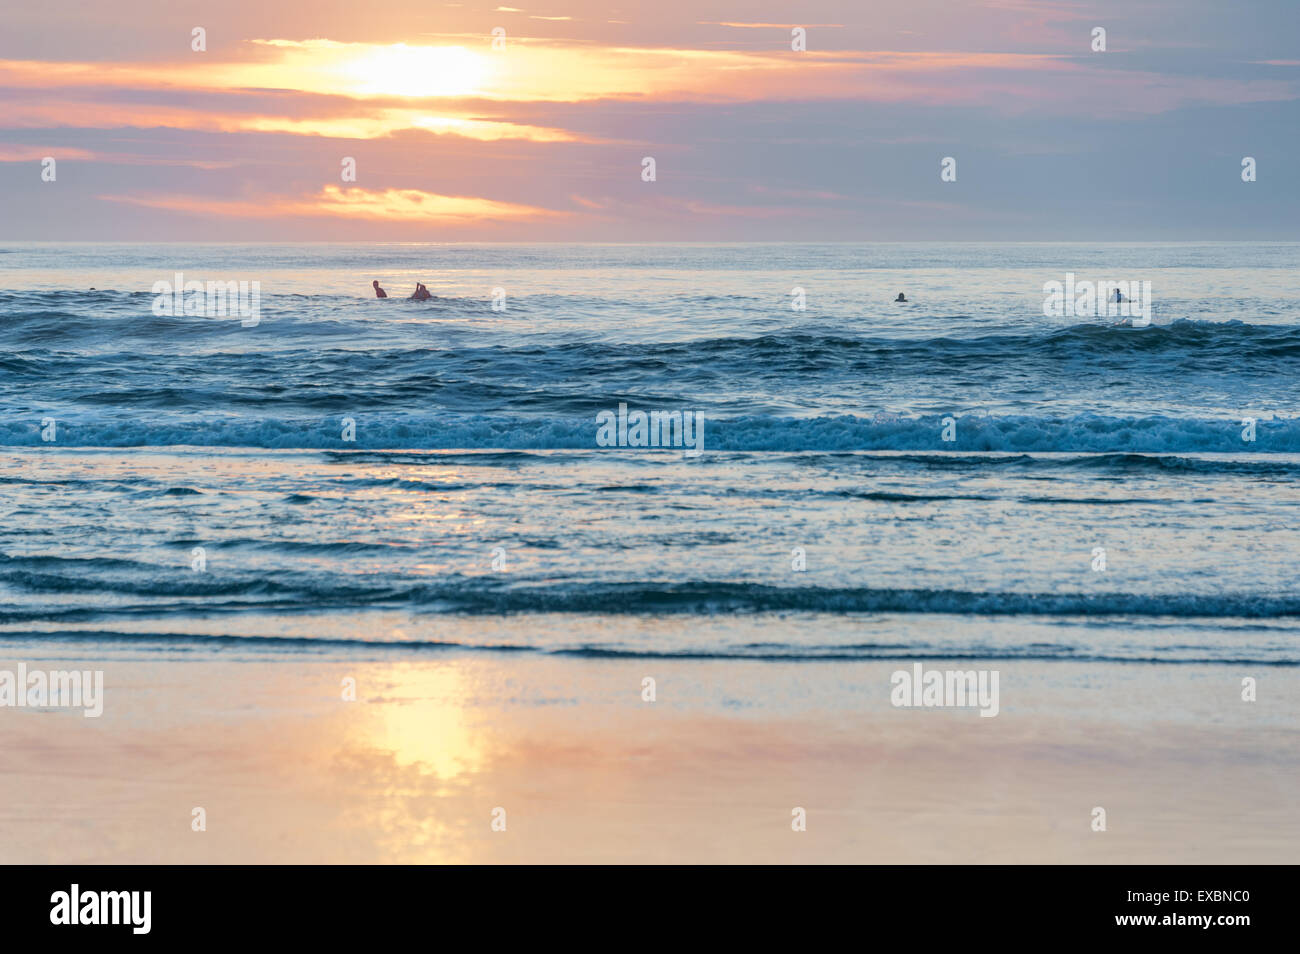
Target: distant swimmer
[
  {"x": 379, "y": 292},
  {"x": 900, "y": 297},
  {"x": 421, "y": 293},
  {"x": 1118, "y": 296}
]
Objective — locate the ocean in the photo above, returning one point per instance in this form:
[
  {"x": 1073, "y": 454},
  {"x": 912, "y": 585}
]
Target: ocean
[{"x": 956, "y": 477}]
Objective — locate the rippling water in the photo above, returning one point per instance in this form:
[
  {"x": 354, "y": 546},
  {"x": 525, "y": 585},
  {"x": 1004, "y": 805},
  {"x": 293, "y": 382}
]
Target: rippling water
[{"x": 474, "y": 507}]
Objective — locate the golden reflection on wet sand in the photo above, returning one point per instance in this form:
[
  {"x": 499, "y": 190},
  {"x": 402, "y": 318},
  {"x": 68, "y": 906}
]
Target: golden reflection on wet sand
[{"x": 287, "y": 771}]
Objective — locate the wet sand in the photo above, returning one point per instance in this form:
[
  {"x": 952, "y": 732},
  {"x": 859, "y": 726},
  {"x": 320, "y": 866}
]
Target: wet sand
[{"x": 287, "y": 771}]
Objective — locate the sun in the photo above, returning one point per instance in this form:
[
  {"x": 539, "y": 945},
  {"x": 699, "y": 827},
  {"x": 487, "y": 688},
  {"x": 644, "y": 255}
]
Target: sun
[{"x": 416, "y": 71}]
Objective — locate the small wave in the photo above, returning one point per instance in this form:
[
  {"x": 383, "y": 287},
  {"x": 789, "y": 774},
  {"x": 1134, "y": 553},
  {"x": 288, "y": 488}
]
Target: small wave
[
  {"x": 475, "y": 595},
  {"x": 714, "y": 598},
  {"x": 330, "y": 547},
  {"x": 978, "y": 434},
  {"x": 770, "y": 652},
  {"x": 1226, "y": 339}
]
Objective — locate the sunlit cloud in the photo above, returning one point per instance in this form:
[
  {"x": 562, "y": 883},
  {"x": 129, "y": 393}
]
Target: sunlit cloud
[
  {"x": 552, "y": 71},
  {"x": 400, "y": 205},
  {"x": 339, "y": 118},
  {"x": 390, "y": 122},
  {"x": 20, "y": 153},
  {"x": 764, "y": 26},
  {"x": 752, "y": 138}
]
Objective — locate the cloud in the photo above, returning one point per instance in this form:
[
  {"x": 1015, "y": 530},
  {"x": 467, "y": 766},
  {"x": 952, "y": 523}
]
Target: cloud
[
  {"x": 544, "y": 139},
  {"x": 303, "y": 114},
  {"x": 22, "y": 153},
  {"x": 765, "y": 26},
  {"x": 365, "y": 80},
  {"x": 388, "y": 205}
]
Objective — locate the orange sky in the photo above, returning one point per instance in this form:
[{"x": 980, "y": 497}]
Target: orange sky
[{"x": 494, "y": 121}]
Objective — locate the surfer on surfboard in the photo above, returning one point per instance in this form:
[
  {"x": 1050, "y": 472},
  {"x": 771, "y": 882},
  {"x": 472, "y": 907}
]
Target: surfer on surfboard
[
  {"x": 379, "y": 292},
  {"x": 421, "y": 293}
]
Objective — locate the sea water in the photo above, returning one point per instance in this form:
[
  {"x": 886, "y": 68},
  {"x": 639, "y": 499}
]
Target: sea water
[{"x": 958, "y": 476}]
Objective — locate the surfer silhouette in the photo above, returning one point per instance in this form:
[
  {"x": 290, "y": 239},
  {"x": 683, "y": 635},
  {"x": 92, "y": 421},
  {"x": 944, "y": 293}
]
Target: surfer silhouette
[
  {"x": 379, "y": 292},
  {"x": 900, "y": 297},
  {"x": 421, "y": 293}
]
